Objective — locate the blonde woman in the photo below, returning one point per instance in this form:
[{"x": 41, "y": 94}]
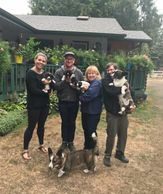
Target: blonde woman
[
  {"x": 91, "y": 105},
  {"x": 37, "y": 104}
]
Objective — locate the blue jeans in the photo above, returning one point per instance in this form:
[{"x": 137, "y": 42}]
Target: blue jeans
[
  {"x": 68, "y": 112},
  {"x": 89, "y": 124}
]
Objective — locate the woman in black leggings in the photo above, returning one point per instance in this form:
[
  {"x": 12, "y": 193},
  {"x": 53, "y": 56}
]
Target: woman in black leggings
[{"x": 37, "y": 104}]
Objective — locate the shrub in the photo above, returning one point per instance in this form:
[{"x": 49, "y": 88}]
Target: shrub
[
  {"x": 53, "y": 103},
  {"x": 141, "y": 61},
  {"x": 135, "y": 62},
  {"x": 10, "y": 121},
  {"x": 5, "y": 57},
  {"x": 17, "y": 104}
]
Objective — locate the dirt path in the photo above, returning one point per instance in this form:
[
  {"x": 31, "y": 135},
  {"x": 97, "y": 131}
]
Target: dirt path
[{"x": 143, "y": 175}]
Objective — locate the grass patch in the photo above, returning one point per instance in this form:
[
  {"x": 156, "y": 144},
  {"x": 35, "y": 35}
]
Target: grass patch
[{"x": 146, "y": 111}]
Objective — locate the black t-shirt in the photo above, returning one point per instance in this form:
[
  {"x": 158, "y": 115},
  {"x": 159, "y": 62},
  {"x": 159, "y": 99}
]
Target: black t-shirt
[
  {"x": 110, "y": 95},
  {"x": 36, "y": 98}
]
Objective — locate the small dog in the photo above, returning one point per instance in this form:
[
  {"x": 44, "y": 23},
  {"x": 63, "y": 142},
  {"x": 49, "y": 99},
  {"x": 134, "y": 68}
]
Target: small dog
[
  {"x": 125, "y": 99},
  {"x": 47, "y": 79},
  {"x": 68, "y": 74},
  {"x": 64, "y": 160},
  {"x": 70, "y": 77}
]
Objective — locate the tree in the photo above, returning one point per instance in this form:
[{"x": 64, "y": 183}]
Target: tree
[{"x": 131, "y": 14}]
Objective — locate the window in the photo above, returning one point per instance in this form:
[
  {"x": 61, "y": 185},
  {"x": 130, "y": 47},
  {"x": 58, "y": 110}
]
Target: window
[{"x": 84, "y": 45}]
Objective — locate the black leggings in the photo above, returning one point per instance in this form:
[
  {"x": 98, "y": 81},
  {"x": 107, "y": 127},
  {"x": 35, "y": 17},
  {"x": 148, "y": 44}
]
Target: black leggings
[{"x": 36, "y": 116}]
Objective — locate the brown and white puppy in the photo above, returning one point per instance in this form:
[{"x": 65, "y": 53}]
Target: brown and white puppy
[{"x": 64, "y": 160}]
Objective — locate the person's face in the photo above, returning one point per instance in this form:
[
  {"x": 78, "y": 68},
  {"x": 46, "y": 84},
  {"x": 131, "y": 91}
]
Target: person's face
[
  {"x": 69, "y": 61},
  {"x": 110, "y": 70},
  {"x": 91, "y": 76},
  {"x": 40, "y": 62}
]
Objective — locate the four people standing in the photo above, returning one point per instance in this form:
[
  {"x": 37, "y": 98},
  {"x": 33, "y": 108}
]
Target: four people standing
[{"x": 91, "y": 106}]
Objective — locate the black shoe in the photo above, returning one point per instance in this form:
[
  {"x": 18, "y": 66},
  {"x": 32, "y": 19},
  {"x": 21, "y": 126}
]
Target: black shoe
[
  {"x": 120, "y": 156},
  {"x": 107, "y": 161},
  {"x": 63, "y": 145},
  {"x": 71, "y": 146}
]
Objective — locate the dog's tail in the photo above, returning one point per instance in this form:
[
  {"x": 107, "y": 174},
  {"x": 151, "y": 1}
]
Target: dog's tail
[{"x": 96, "y": 148}]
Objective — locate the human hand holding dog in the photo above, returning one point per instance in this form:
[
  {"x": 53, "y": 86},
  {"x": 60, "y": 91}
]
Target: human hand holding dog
[
  {"x": 85, "y": 85},
  {"x": 132, "y": 108}
]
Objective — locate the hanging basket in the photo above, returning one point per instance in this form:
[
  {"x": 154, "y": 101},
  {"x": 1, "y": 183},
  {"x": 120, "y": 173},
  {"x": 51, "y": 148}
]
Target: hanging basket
[{"x": 19, "y": 59}]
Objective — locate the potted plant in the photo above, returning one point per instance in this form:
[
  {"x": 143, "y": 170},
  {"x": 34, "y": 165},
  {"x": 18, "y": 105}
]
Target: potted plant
[{"x": 19, "y": 53}]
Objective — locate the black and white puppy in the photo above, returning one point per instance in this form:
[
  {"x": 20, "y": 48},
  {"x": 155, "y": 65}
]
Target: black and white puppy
[
  {"x": 70, "y": 77},
  {"x": 48, "y": 80},
  {"x": 64, "y": 160},
  {"x": 125, "y": 99}
]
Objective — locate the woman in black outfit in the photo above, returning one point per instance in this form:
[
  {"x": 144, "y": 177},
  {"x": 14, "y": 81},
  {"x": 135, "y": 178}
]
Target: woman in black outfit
[{"x": 37, "y": 104}]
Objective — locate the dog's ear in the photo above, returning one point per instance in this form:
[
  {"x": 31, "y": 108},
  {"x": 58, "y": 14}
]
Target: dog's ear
[
  {"x": 50, "y": 152},
  {"x": 59, "y": 153}
]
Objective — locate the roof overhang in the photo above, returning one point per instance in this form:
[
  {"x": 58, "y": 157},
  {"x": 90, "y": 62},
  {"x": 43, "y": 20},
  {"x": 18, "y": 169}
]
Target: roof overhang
[{"x": 14, "y": 20}]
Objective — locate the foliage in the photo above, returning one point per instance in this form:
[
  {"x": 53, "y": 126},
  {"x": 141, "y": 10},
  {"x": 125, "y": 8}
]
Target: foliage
[
  {"x": 120, "y": 59},
  {"x": 141, "y": 61},
  {"x": 5, "y": 57},
  {"x": 10, "y": 121},
  {"x": 84, "y": 58},
  {"x": 132, "y": 15},
  {"x": 53, "y": 103},
  {"x": 157, "y": 50},
  {"x": 30, "y": 49},
  {"x": 141, "y": 12},
  {"x": 2, "y": 112},
  {"x": 135, "y": 61},
  {"x": 18, "y": 104},
  {"x": 19, "y": 50}
]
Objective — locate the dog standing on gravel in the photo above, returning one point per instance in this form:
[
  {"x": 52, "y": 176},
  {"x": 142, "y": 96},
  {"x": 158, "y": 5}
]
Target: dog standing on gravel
[{"x": 64, "y": 160}]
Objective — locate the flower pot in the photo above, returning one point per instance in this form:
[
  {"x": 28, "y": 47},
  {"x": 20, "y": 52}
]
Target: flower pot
[{"x": 19, "y": 59}]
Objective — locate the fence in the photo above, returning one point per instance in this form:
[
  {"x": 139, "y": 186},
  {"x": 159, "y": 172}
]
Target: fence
[
  {"x": 138, "y": 81},
  {"x": 14, "y": 81}
]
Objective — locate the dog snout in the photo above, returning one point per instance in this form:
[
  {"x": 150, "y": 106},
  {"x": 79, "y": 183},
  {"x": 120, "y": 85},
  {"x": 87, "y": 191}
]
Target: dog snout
[{"x": 51, "y": 165}]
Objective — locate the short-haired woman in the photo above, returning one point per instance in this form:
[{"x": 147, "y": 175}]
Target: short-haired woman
[{"x": 91, "y": 105}]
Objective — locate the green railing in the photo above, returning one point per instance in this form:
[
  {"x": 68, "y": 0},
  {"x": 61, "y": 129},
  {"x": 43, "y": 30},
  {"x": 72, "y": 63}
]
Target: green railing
[
  {"x": 14, "y": 81},
  {"x": 138, "y": 81}
]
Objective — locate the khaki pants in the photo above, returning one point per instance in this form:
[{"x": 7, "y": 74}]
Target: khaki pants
[{"x": 116, "y": 125}]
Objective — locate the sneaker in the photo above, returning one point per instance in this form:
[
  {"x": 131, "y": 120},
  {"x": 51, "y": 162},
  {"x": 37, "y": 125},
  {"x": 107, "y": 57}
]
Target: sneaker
[
  {"x": 120, "y": 156},
  {"x": 71, "y": 146},
  {"x": 107, "y": 161}
]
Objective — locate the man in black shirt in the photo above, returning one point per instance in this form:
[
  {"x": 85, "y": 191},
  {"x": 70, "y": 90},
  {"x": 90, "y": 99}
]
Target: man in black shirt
[{"x": 117, "y": 124}]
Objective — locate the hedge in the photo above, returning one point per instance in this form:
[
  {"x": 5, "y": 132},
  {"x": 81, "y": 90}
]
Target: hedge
[{"x": 10, "y": 121}]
